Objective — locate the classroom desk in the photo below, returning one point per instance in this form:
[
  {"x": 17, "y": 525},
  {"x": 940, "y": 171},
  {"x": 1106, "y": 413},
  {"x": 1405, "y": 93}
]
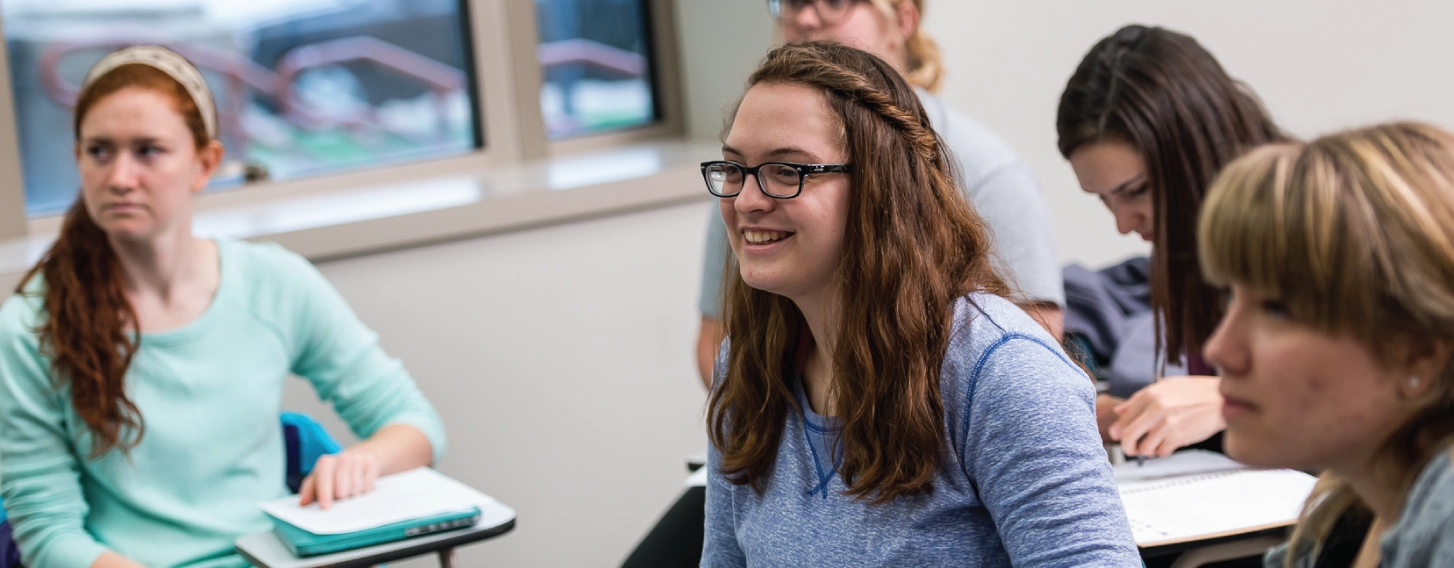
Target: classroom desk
[
  {"x": 266, "y": 551},
  {"x": 1193, "y": 553}
]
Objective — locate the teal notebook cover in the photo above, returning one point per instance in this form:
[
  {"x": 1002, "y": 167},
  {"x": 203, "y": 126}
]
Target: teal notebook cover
[{"x": 303, "y": 543}]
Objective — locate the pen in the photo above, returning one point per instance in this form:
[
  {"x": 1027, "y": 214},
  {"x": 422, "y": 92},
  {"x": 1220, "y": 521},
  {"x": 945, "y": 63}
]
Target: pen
[{"x": 1140, "y": 460}]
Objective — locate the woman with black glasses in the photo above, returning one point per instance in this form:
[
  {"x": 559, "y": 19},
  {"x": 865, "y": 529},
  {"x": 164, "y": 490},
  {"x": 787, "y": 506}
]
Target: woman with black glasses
[
  {"x": 1001, "y": 187},
  {"x": 879, "y": 401}
]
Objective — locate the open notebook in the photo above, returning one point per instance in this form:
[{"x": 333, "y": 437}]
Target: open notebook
[{"x": 1196, "y": 495}]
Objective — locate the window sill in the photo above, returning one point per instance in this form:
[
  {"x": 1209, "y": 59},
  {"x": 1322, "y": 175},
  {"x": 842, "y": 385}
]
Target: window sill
[{"x": 325, "y": 225}]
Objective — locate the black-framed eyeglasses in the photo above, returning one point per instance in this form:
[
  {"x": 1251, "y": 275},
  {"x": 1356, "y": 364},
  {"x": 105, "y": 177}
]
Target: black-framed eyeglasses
[
  {"x": 779, "y": 180},
  {"x": 830, "y": 12}
]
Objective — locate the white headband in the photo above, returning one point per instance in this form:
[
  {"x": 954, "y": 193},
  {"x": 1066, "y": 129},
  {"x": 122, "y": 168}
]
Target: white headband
[{"x": 166, "y": 61}]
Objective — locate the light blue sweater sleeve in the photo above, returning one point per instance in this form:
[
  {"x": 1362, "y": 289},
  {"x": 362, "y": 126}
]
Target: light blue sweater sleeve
[
  {"x": 39, "y": 475},
  {"x": 1030, "y": 441},
  {"x": 720, "y": 547},
  {"x": 342, "y": 358}
]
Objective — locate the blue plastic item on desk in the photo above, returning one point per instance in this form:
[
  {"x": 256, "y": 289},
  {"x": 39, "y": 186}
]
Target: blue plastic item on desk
[{"x": 303, "y": 543}]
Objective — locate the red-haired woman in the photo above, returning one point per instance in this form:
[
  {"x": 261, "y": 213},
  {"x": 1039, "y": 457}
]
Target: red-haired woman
[
  {"x": 879, "y": 401},
  {"x": 141, "y": 368}
]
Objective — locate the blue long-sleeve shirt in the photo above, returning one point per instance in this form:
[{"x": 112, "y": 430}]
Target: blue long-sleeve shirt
[
  {"x": 1025, "y": 482},
  {"x": 209, "y": 394}
]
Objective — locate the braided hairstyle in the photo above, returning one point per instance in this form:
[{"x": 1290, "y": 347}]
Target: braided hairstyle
[{"x": 911, "y": 247}]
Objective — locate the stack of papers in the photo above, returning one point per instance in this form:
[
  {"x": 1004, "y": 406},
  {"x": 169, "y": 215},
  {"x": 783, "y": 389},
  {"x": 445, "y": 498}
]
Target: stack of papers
[
  {"x": 1195, "y": 495},
  {"x": 414, "y": 494}
]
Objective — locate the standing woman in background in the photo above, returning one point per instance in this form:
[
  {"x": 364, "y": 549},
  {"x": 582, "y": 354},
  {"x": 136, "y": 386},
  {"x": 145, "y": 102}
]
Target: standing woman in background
[
  {"x": 999, "y": 185},
  {"x": 879, "y": 401},
  {"x": 1147, "y": 121},
  {"x": 141, "y": 367},
  {"x": 1336, "y": 346}
]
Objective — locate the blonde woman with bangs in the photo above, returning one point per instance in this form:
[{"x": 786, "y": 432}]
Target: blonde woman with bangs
[{"x": 1336, "y": 345}]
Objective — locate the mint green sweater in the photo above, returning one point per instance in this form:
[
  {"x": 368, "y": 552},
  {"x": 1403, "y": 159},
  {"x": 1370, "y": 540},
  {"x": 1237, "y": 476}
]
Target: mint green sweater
[{"x": 209, "y": 395}]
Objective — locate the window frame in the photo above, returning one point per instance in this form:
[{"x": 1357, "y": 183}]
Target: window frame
[{"x": 503, "y": 38}]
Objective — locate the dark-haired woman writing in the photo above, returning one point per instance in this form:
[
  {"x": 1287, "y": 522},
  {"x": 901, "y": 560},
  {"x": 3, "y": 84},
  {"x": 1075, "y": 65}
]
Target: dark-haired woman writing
[
  {"x": 878, "y": 401},
  {"x": 1147, "y": 121},
  {"x": 141, "y": 368}
]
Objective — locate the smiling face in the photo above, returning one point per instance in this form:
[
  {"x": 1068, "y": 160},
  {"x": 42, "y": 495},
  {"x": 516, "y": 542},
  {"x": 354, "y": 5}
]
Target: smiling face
[
  {"x": 1298, "y": 397},
  {"x": 864, "y": 27},
  {"x": 791, "y": 247},
  {"x": 1116, "y": 172},
  {"x": 139, "y": 164}
]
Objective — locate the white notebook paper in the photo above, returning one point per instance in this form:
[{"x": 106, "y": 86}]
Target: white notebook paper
[
  {"x": 1194, "y": 495},
  {"x": 413, "y": 494}
]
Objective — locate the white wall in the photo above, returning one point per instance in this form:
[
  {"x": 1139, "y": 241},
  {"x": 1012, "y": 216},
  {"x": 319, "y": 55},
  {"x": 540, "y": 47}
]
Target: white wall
[
  {"x": 561, "y": 361},
  {"x": 721, "y": 42},
  {"x": 1318, "y": 65}
]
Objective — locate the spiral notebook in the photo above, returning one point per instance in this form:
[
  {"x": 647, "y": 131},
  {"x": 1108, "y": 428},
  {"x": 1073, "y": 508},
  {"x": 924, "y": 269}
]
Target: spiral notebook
[{"x": 1197, "y": 495}]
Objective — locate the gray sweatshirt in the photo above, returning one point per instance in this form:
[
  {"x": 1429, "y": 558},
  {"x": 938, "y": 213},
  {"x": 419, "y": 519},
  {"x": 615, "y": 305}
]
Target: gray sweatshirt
[
  {"x": 1025, "y": 481},
  {"x": 1423, "y": 537}
]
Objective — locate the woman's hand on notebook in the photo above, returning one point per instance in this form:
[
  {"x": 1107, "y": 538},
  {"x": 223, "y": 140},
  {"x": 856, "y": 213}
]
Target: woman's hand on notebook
[
  {"x": 340, "y": 476},
  {"x": 1169, "y": 414},
  {"x": 392, "y": 449}
]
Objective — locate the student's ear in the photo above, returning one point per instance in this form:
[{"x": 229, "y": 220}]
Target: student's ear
[
  {"x": 908, "y": 16},
  {"x": 1426, "y": 359},
  {"x": 210, "y": 156}
]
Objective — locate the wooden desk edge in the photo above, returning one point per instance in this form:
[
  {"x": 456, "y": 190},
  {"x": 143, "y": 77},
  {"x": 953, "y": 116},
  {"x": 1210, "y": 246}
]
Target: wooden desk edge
[{"x": 466, "y": 537}]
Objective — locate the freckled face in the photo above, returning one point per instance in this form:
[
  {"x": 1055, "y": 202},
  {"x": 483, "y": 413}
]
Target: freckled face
[
  {"x": 139, "y": 164},
  {"x": 1297, "y": 397}
]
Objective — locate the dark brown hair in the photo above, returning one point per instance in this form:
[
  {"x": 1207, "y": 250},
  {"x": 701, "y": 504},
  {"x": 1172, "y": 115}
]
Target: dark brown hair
[
  {"x": 90, "y": 332},
  {"x": 911, "y": 247},
  {"x": 1166, "y": 96}
]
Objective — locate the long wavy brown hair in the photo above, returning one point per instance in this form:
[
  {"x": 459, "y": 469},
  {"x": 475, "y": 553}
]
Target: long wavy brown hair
[
  {"x": 1354, "y": 233},
  {"x": 90, "y": 331},
  {"x": 911, "y": 247},
  {"x": 1162, "y": 92}
]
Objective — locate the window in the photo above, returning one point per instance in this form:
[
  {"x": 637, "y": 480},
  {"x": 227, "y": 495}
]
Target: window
[
  {"x": 595, "y": 57},
  {"x": 304, "y": 87}
]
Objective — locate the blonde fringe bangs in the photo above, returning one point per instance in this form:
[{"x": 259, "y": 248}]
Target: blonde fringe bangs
[{"x": 1242, "y": 230}]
